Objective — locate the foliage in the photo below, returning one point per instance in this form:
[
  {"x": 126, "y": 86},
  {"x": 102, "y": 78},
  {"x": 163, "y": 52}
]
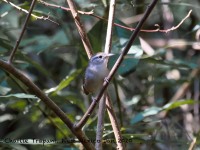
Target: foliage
[{"x": 157, "y": 66}]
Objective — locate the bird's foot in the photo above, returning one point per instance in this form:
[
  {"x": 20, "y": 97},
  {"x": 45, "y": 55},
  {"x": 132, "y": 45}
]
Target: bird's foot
[{"x": 106, "y": 80}]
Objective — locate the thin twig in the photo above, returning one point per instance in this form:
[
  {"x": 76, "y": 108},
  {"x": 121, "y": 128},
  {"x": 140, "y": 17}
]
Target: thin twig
[
  {"x": 113, "y": 119},
  {"x": 119, "y": 25},
  {"x": 192, "y": 145},
  {"x": 118, "y": 101},
  {"x": 80, "y": 27},
  {"x": 25, "y": 11},
  {"x": 36, "y": 91},
  {"x": 102, "y": 105},
  {"x": 22, "y": 32},
  {"x": 116, "y": 66},
  {"x": 64, "y": 8},
  {"x": 114, "y": 123},
  {"x": 109, "y": 27},
  {"x": 100, "y": 123}
]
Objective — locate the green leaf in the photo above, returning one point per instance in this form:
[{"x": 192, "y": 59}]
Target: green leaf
[
  {"x": 176, "y": 104},
  {"x": 20, "y": 95},
  {"x": 65, "y": 82}
]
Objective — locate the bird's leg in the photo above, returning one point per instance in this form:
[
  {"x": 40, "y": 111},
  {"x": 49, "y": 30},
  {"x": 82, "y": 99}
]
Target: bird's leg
[
  {"x": 94, "y": 99},
  {"x": 106, "y": 79}
]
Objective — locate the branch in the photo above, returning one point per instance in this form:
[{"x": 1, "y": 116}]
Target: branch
[
  {"x": 109, "y": 27},
  {"x": 81, "y": 30},
  {"x": 116, "y": 66},
  {"x": 102, "y": 105},
  {"x": 25, "y": 11},
  {"x": 22, "y": 32},
  {"x": 100, "y": 123},
  {"x": 36, "y": 91},
  {"x": 114, "y": 123},
  {"x": 119, "y": 25}
]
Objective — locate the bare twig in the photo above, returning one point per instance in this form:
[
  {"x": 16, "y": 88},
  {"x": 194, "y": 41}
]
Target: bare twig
[
  {"x": 192, "y": 145},
  {"x": 81, "y": 30},
  {"x": 114, "y": 123},
  {"x": 119, "y": 25},
  {"x": 22, "y": 32},
  {"x": 25, "y": 11},
  {"x": 100, "y": 124},
  {"x": 64, "y": 8},
  {"x": 110, "y": 26},
  {"x": 36, "y": 91},
  {"x": 116, "y": 66},
  {"x": 107, "y": 49},
  {"x": 118, "y": 102}
]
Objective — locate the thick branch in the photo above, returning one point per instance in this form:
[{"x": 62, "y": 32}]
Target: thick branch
[
  {"x": 36, "y": 91},
  {"x": 116, "y": 66}
]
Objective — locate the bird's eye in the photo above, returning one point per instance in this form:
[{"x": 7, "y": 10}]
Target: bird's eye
[{"x": 100, "y": 56}]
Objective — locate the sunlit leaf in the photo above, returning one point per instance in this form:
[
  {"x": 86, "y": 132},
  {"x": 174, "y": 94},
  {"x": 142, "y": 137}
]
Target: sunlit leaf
[
  {"x": 4, "y": 90},
  {"x": 176, "y": 104},
  {"x": 21, "y": 95}
]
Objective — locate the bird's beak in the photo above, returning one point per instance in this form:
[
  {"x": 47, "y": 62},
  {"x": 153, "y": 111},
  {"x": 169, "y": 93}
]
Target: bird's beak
[{"x": 109, "y": 54}]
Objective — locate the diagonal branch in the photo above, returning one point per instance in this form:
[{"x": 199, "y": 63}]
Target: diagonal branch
[
  {"x": 81, "y": 30},
  {"x": 25, "y": 11},
  {"x": 114, "y": 123},
  {"x": 36, "y": 91},
  {"x": 22, "y": 32},
  {"x": 116, "y": 66}
]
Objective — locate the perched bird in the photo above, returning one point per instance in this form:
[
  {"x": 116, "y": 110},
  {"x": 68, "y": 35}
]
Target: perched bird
[{"x": 95, "y": 73}]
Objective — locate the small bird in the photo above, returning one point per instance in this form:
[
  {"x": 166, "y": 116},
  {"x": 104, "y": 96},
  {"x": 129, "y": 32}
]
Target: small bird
[{"x": 95, "y": 73}]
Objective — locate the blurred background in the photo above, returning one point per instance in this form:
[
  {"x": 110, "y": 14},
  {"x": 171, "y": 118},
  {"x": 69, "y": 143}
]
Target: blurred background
[{"x": 155, "y": 92}]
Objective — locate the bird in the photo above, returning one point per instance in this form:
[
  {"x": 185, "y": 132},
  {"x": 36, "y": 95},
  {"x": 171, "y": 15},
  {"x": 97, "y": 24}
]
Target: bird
[{"x": 95, "y": 73}]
